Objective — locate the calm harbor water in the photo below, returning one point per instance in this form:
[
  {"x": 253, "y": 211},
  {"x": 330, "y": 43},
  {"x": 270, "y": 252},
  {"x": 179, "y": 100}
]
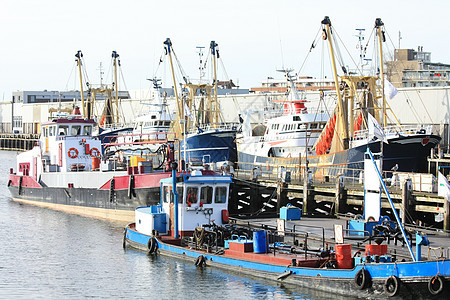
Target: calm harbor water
[{"x": 46, "y": 254}]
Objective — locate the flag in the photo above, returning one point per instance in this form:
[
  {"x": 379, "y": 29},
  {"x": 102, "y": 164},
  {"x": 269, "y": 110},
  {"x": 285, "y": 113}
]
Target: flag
[
  {"x": 375, "y": 129},
  {"x": 187, "y": 112},
  {"x": 389, "y": 90}
]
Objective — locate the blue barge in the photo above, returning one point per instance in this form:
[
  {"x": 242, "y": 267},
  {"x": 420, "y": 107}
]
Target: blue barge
[{"x": 190, "y": 223}]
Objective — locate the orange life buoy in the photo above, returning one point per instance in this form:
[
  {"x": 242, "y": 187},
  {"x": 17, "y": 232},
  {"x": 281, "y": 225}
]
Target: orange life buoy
[
  {"x": 95, "y": 152},
  {"x": 72, "y": 153}
]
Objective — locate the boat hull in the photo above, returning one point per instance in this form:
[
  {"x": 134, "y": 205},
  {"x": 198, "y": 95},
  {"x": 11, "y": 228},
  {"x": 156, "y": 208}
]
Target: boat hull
[
  {"x": 212, "y": 145},
  {"x": 413, "y": 276},
  {"x": 117, "y": 204},
  {"x": 409, "y": 153}
]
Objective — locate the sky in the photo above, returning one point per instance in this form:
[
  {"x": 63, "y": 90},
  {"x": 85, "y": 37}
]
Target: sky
[{"x": 256, "y": 37}]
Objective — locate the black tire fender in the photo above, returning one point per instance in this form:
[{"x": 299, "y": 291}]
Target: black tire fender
[
  {"x": 391, "y": 286},
  {"x": 436, "y": 285},
  {"x": 200, "y": 261},
  {"x": 124, "y": 239},
  {"x": 362, "y": 279},
  {"x": 152, "y": 245}
]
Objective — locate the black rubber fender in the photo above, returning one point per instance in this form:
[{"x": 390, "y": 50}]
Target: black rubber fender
[
  {"x": 362, "y": 279},
  {"x": 436, "y": 285},
  {"x": 152, "y": 245},
  {"x": 391, "y": 286},
  {"x": 124, "y": 239}
]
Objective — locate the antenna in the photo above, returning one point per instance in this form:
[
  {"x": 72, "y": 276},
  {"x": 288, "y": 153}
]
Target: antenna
[
  {"x": 399, "y": 38},
  {"x": 100, "y": 68},
  {"x": 362, "y": 55},
  {"x": 201, "y": 67}
]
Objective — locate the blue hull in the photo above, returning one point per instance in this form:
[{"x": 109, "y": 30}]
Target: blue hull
[
  {"x": 413, "y": 276},
  {"x": 212, "y": 145}
]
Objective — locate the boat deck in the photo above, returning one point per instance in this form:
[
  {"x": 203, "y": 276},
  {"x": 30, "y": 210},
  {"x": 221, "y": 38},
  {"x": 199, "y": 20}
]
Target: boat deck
[
  {"x": 317, "y": 228},
  {"x": 278, "y": 258}
]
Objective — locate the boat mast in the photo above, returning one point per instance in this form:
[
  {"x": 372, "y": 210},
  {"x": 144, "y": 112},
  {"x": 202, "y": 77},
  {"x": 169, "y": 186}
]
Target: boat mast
[
  {"x": 381, "y": 39},
  {"x": 79, "y": 55},
  {"x": 213, "y": 106},
  {"x": 180, "y": 107},
  {"x": 115, "y": 56},
  {"x": 341, "y": 110}
]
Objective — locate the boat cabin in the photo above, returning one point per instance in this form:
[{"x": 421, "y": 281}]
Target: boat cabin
[
  {"x": 202, "y": 199},
  {"x": 66, "y": 144}
]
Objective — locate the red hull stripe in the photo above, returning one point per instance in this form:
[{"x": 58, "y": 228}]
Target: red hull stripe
[{"x": 27, "y": 181}]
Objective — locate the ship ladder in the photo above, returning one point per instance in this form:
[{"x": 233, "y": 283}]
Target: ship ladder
[
  {"x": 20, "y": 185},
  {"x": 131, "y": 192},
  {"x": 112, "y": 193}
]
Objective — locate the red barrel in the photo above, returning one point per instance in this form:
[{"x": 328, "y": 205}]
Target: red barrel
[
  {"x": 376, "y": 249},
  {"x": 344, "y": 256}
]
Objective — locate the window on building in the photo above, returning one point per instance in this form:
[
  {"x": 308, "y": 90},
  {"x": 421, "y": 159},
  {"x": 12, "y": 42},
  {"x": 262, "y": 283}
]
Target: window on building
[{"x": 17, "y": 121}]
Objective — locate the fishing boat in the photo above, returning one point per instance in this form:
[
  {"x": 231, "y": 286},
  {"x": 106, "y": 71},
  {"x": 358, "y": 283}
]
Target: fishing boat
[
  {"x": 289, "y": 135},
  {"x": 355, "y": 122},
  {"x": 150, "y": 131},
  {"x": 206, "y": 137},
  {"x": 362, "y": 106},
  {"x": 67, "y": 170},
  {"x": 191, "y": 223}
]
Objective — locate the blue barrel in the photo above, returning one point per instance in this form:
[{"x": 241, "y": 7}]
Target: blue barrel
[{"x": 259, "y": 242}]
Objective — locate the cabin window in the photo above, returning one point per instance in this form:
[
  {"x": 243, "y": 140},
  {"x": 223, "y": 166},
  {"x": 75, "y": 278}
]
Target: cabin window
[
  {"x": 167, "y": 123},
  {"x": 63, "y": 130},
  {"x": 87, "y": 130},
  {"x": 296, "y": 118},
  {"x": 153, "y": 117},
  {"x": 52, "y": 130},
  {"x": 206, "y": 195},
  {"x": 314, "y": 125},
  {"x": 299, "y": 126},
  {"x": 167, "y": 194},
  {"x": 221, "y": 194},
  {"x": 192, "y": 195},
  {"x": 45, "y": 132},
  {"x": 180, "y": 194},
  {"x": 75, "y": 130}
]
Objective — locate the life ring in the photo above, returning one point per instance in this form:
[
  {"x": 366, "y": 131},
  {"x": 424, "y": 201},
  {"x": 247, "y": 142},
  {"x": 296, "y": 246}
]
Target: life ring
[
  {"x": 200, "y": 261},
  {"x": 391, "y": 286},
  {"x": 95, "y": 152},
  {"x": 72, "y": 153},
  {"x": 152, "y": 245},
  {"x": 362, "y": 279},
  {"x": 436, "y": 285}
]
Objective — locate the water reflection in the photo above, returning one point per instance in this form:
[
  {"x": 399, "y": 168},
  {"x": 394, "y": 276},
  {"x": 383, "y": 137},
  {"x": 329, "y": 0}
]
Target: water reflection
[{"x": 46, "y": 254}]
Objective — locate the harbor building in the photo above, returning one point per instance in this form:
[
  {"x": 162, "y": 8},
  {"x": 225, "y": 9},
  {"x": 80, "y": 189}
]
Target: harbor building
[{"x": 414, "y": 68}]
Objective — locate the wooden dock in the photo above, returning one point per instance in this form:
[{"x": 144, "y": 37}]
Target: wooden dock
[
  {"x": 266, "y": 193},
  {"x": 18, "y": 141}
]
